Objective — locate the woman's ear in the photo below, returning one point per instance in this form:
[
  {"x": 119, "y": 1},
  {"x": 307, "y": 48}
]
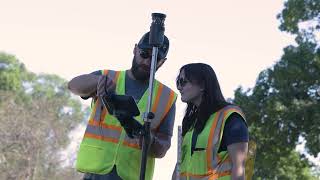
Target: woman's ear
[{"x": 202, "y": 87}]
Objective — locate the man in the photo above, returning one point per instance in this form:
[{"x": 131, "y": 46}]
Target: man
[{"x": 106, "y": 152}]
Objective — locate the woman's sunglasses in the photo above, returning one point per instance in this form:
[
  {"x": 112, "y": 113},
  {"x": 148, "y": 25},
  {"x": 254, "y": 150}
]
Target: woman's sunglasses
[{"x": 182, "y": 82}]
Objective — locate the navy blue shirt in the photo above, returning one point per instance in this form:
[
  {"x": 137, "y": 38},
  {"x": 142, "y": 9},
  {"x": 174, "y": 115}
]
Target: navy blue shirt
[{"x": 235, "y": 131}]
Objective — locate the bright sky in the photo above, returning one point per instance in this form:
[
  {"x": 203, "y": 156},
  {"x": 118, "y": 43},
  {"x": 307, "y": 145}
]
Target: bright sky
[{"x": 237, "y": 38}]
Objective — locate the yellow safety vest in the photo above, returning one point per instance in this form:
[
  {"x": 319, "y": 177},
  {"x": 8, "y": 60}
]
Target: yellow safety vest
[
  {"x": 206, "y": 163},
  {"x": 105, "y": 143}
]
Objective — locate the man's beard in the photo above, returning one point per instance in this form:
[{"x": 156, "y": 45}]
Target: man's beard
[{"x": 138, "y": 72}]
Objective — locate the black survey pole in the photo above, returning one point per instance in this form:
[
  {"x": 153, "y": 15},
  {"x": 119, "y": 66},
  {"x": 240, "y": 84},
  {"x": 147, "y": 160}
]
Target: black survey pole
[{"x": 156, "y": 38}]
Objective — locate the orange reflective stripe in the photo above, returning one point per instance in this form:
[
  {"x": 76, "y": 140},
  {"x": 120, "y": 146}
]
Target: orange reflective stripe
[
  {"x": 103, "y": 125},
  {"x": 195, "y": 175},
  {"x": 233, "y": 109},
  {"x": 103, "y": 114},
  {"x": 115, "y": 79},
  {"x": 132, "y": 145},
  {"x": 171, "y": 99},
  {"x": 167, "y": 108},
  {"x": 225, "y": 162},
  {"x": 211, "y": 175},
  {"x": 210, "y": 140},
  {"x": 105, "y": 71},
  {"x": 131, "y": 142},
  {"x": 117, "y": 76},
  {"x": 216, "y": 176},
  {"x": 216, "y": 138},
  {"x": 224, "y": 118},
  {"x": 117, "y": 128},
  {"x": 93, "y": 136},
  {"x": 156, "y": 101}
]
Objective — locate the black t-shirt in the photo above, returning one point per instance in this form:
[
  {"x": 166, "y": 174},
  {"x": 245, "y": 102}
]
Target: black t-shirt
[{"x": 235, "y": 131}]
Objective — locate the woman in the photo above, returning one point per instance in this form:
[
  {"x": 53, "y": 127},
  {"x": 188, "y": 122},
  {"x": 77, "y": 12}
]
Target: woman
[{"x": 215, "y": 134}]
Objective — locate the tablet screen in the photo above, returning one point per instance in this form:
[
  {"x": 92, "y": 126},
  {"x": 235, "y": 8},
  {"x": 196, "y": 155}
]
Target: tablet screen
[{"x": 116, "y": 104}]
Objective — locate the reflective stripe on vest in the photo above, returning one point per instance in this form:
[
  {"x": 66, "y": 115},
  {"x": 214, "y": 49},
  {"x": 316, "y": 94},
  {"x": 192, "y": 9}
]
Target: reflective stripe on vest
[
  {"x": 215, "y": 140},
  {"x": 162, "y": 104},
  {"x": 96, "y": 129},
  {"x": 209, "y": 164},
  {"x": 103, "y": 132},
  {"x": 205, "y": 177}
]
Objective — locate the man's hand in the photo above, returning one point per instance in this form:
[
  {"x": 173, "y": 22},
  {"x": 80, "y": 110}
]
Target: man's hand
[
  {"x": 105, "y": 86},
  {"x": 132, "y": 127}
]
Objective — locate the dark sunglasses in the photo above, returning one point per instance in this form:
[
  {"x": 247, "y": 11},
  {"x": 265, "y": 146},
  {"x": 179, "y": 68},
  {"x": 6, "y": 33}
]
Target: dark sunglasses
[
  {"x": 182, "y": 82},
  {"x": 145, "y": 53}
]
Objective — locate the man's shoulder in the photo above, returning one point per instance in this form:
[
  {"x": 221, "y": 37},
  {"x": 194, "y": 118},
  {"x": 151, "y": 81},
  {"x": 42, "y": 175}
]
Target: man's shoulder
[
  {"x": 96, "y": 72},
  {"x": 167, "y": 87},
  {"x": 107, "y": 71}
]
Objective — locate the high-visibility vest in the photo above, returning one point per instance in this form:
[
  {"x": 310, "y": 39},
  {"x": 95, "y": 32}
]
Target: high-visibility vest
[
  {"x": 105, "y": 143},
  {"x": 206, "y": 163}
]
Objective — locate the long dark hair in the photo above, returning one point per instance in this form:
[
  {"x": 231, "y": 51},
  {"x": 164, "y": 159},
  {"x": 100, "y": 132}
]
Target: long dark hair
[{"x": 212, "y": 98}]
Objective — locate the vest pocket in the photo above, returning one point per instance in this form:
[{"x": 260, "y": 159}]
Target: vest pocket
[
  {"x": 91, "y": 159},
  {"x": 198, "y": 162}
]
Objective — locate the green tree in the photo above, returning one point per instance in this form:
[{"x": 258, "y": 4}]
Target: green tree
[
  {"x": 284, "y": 104},
  {"x": 302, "y": 18},
  {"x": 37, "y": 112},
  {"x": 296, "y": 12},
  {"x": 11, "y": 72}
]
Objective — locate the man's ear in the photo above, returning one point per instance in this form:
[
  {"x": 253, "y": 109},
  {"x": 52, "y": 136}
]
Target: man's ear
[
  {"x": 160, "y": 62},
  {"x": 135, "y": 49}
]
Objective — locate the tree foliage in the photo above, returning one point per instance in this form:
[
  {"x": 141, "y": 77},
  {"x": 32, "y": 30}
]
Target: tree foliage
[
  {"x": 284, "y": 104},
  {"x": 298, "y": 11},
  {"x": 36, "y": 114},
  {"x": 11, "y": 72}
]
